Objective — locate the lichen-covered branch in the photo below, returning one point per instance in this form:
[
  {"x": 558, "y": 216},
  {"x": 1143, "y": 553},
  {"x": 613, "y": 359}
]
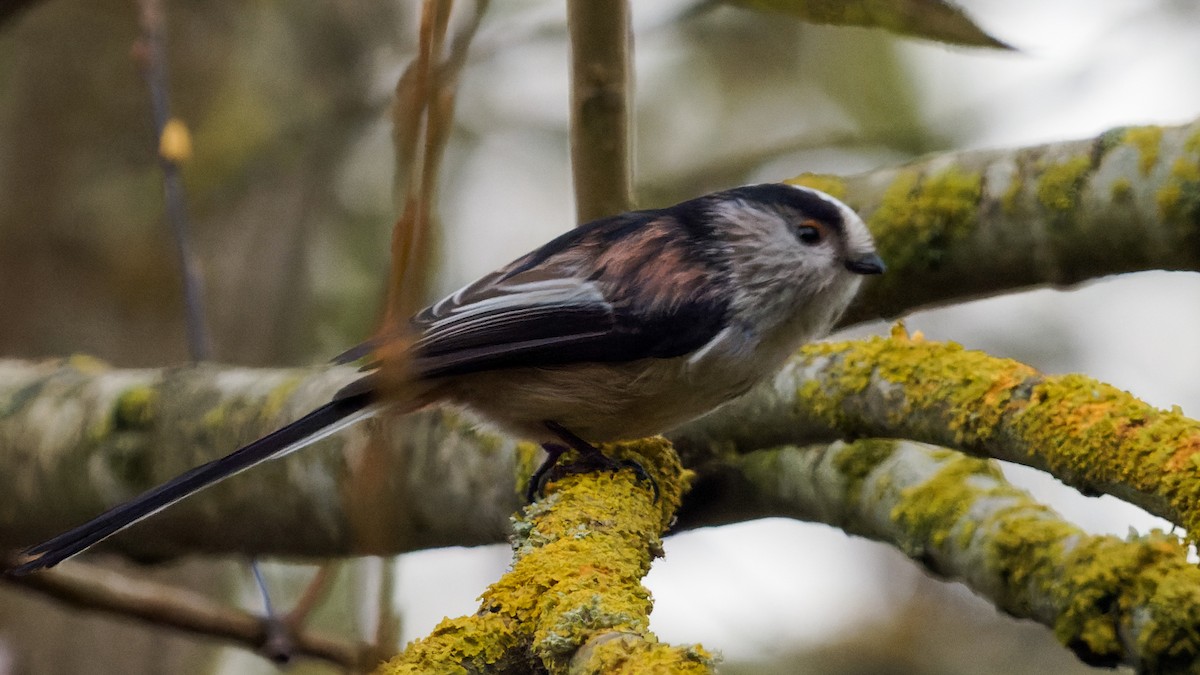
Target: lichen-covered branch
[
  {"x": 444, "y": 481},
  {"x": 978, "y": 223},
  {"x": 1087, "y": 434},
  {"x": 573, "y": 601},
  {"x": 1111, "y": 601},
  {"x": 77, "y": 437}
]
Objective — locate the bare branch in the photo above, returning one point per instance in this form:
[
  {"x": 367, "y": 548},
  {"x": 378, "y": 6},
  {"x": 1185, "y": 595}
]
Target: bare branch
[
  {"x": 601, "y": 93},
  {"x": 173, "y": 146},
  {"x": 95, "y": 588}
]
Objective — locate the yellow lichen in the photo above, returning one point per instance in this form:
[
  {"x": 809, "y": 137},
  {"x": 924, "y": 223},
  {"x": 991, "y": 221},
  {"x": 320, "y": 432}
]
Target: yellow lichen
[
  {"x": 136, "y": 408},
  {"x": 929, "y": 512},
  {"x": 1179, "y": 197},
  {"x": 1102, "y": 435},
  {"x": 858, "y": 460},
  {"x": 1059, "y": 185},
  {"x": 833, "y": 186},
  {"x": 1085, "y": 432},
  {"x": 580, "y": 554},
  {"x": 621, "y": 655},
  {"x": 1147, "y": 140},
  {"x": 1096, "y": 592},
  {"x": 921, "y": 217},
  {"x": 1012, "y": 193},
  {"x": 473, "y": 644},
  {"x": 1122, "y": 190},
  {"x": 972, "y": 388},
  {"x": 273, "y": 403},
  {"x": 86, "y": 364}
]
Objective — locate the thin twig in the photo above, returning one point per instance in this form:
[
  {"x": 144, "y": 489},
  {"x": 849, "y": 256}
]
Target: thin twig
[
  {"x": 601, "y": 93},
  {"x": 313, "y": 594},
  {"x": 95, "y": 588},
  {"x": 151, "y": 50},
  {"x": 388, "y": 622}
]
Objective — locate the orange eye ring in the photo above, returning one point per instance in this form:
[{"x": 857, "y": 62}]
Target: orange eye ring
[{"x": 810, "y": 232}]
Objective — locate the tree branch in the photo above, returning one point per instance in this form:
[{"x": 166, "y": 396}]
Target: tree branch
[
  {"x": 968, "y": 224},
  {"x": 435, "y": 484},
  {"x": 573, "y": 601},
  {"x": 601, "y": 93},
  {"x": 94, "y": 588},
  {"x": 1110, "y": 601},
  {"x": 439, "y": 484}
]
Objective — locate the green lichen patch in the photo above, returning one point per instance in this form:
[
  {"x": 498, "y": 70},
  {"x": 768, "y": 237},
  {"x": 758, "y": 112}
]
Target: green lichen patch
[
  {"x": 87, "y": 364},
  {"x": 930, "y": 512},
  {"x": 1179, "y": 197},
  {"x": 1012, "y": 194},
  {"x": 834, "y": 186},
  {"x": 274, "y": 401},
  {"x": 1106, "y": 591},
  {"x": 1060, "y": 186},
  {"x": 1121, "y": 190},
  {"x": 136, "y": 408},
  {"x": 528, "y": 456},
  {"x": 1105, "y": 598},
  {"x": 1147, "y": 140},
  {"x": 856, "y": 461},
  {"x": 970, "y": 390},
  {"x": 921, "y": 217}
]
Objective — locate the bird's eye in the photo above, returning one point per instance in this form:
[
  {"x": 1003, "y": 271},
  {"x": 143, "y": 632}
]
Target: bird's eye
[{"x": 810, "y": 233}]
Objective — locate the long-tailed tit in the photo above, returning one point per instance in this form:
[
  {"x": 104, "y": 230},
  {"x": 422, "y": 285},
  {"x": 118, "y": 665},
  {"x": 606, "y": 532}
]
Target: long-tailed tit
[{"x": 621, "y": 328}]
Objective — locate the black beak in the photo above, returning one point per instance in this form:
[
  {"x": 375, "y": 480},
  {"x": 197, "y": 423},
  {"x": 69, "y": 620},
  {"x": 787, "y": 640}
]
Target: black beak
[{"x": 868, "y": 264}]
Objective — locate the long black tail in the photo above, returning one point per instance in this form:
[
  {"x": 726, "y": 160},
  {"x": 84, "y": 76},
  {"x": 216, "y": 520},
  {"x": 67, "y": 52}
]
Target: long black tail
[{"x": 308, "y": 429}]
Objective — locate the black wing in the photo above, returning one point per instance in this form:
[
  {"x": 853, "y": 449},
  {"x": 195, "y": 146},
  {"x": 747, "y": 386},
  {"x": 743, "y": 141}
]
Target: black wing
[{"x": 620, "y": 289}]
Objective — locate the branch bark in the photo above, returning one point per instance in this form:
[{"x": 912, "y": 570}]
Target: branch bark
[
  {"x": 601, "y": 94},
  {"x": 436, "y": 484},
  {"x": 969, "y": 224},
  {"x": 1088, "y": 434},
  {"x": 1111, "y": 601},
  {"x": 573, "y": 601},
  {"x": 442, "y": 488},
  {"x": 80, "y": 437},
  {"x": 94, "y": 588}
]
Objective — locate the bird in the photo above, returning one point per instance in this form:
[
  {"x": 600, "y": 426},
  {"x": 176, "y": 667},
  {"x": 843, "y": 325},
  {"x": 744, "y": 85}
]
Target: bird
[{"x": 621, "y": 328}]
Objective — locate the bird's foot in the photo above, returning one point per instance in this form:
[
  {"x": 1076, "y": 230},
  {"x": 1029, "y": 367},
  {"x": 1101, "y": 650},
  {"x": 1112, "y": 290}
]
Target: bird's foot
[{"x": 590, "y": 460}]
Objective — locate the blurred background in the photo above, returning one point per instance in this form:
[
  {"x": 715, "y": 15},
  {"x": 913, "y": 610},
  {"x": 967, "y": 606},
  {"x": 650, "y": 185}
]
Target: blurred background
[{"x": 290, "y": 192}]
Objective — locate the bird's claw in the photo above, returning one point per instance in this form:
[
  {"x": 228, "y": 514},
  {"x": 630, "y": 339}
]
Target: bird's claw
[{"x": 551, "y": 471}]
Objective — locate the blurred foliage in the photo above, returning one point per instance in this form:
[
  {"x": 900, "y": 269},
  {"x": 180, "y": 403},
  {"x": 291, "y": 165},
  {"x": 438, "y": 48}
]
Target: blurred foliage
[
  {"x": 929, "y": 19},
  {"x": 287, "y": 183},
  {"x": 275, "y": 95}
]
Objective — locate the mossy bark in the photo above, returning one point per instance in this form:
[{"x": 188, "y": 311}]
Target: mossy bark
[{"x": 573, "y": 601}]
